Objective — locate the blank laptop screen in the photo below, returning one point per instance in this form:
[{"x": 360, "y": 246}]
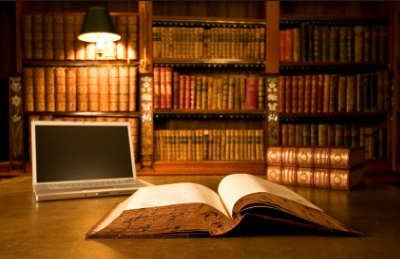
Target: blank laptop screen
[{"x": 68, "y": 153}]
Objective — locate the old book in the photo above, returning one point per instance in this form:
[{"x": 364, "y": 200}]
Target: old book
[
  {"x": 28, "y": 89},
  {"x": 304, "y": 41},
  {"x": 189, "y": 209},
  {"x": 60, "y": 89},
  {"x": 27, "y": 36},
  {"x": 37, "y": 36},
  {"x": 359, "y": 43},
  {"x": 157, "y": 88},
  {"x": 334, "y": 179},
  {"x": 123, "y": 90},
  {"x": 367, "y": 43},
  {"x": 163, "y": 88},
  {"x": 306, "y": 134},
  {"x": 350, "y": 43},
  {"x": 121, "y": 26},
  {"x": 79, "y": 45},
  {"x": 93, "y": 89},
  {"x": 343, "y": 44},
  {"x": 342, "y": 94},
  {"x": 69, "y": 37},
  {"x": 288, "y": 94},
  {"x": 321, "y": 93},
  {"x": 291, "y": 134},
  {"x": 252, "y": 92},
  {"x": 284, "y": 134},
  {"x": 360, "y": 93},
  {"x": 133, "y": 71},
  {"x": 59, "y": 39},
  {"x": 301, "y": 94},
  {"x": 331, "y": 135},
  {"x": 326, "y": 31},
  {"x": 132, "y": 50},
  {"x": 327, "y": 93},
  {"x": 322, "y": 134},
  {"x": 48, "y": 37},
  {"x": 289, "y": 45},
  {"x": 70, "y": 74},
  {"x": 50, "y": 90},
  {"x": 168, "y": 87},
  {"x": 317, "y": 43},
  {"x": 334, "y": 44},
  {"x": 314, "y": 94},
  {"x": 333, "y": 93},
  {"x": 39, "y": 89},
  {"x": 351, "y": 95},
  {"x": 321, "y": 157},
  {"x": 314, "y": 134},
  {"x": 295, "y": 94}
]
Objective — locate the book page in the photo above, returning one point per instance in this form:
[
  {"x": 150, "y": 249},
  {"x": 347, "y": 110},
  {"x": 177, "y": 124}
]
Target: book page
[
  {"x": 233, "y": 187},
  {"x": 177, "y": 193},
  {"x": 163, "y": 195}
]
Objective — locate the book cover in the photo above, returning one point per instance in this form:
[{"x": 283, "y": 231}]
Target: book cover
[
  {"x": 252, "y": 92},
  {"x": 334, "y": 179},
  {"x": 321, "y": 156}
]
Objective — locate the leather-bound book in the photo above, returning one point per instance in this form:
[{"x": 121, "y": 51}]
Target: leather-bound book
[
  {"x": 326, "y": 94},
  {"x": 347, "y": 135},
  {"x": 252, "y": 93},
  {"x": 304, "y": 41},
  {"x": 132, "y": 49},
  {"x": 306, "y": 134},
  {"x": 123, "y": 94},
  {"x": 295, "y": 94},
  {"x": 317, "y": 43},
  {"x": 284, "y": 134},
  {"x": 375, "y": 31},
  {"x": 367, "y": 43},
  {"x": 281, "y": 94},
  {"x": 69, "y": 38},
  {"x": 343, "y": 56},
  {"x": 93, "y": 89},
  {"x": 331, "y": 135},
  {"x": 307, "y": 94},
  {"x": 289, "y": 45},
  {"x": 103, "y": 89},
  {"x": 334, "y": 44},
  {"x": 60, "y": 89},
  {"x": 37, "y": 36},
  {"x": 27, "y": 36},
  {"x": 39, "y": 89},
  {"x": 314, "y": 93},
  {"x": 322, "y": 134},
  {"x": 301, "y": 94},
  {"x": 133, "y": 72},
  {"x": 316, "y": 157},
  {"x": 359, "y": 43},
  {"x": 351, "y": 93},
  {"x": 359, "y": 93},
  {"x": 59, "y": 37},
  {"x": 325, "y": 39},
  {"x": 78, "y": 44},
  {"x": 50, "y": 89},
  {"x": 28, "y": 89},
  {"x": 288, "y": 94},
  {"x": 314, "y": 134},
  {"x": 324, "y": 178},
  {"x": 342, "y": 93},
  {"x": 296, "y": 45},
  {"x": 168, "y": 87},
  {"x": 48, "y": 37},
  {"x": 298, "y": 134},
  {"x": 82, "y": 89},
  {"x": 121, "y": 26},
  {"x": 333, "y": 93},
  {"x": 339, "y": 135},
  {"x": 291, "y": 134},
  {"x": 384, "y": 43},
  {"x": 157, "y": 87}
]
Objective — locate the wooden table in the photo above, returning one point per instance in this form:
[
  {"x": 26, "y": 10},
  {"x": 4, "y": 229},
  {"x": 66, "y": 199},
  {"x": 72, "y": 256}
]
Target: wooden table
[{"x": 56, "y": 229}]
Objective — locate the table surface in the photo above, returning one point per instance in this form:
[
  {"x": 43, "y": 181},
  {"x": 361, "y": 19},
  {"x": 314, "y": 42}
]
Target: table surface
[{"x": 56, "y": 229}]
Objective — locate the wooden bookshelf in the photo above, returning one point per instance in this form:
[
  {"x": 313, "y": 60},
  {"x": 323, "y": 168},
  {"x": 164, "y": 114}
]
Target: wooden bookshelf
[{"x": 269, "y": 15}]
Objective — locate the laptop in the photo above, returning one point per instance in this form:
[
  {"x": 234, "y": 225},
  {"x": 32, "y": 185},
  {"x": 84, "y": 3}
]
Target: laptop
[{"x": 82, "y": 159}]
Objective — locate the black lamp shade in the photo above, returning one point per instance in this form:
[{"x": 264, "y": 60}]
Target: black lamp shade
[{"x": 98, "y": 26}]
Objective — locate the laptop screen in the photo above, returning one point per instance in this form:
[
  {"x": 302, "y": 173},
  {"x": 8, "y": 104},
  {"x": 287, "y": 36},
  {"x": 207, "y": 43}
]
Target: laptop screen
[{"x": 70, "y": 151}]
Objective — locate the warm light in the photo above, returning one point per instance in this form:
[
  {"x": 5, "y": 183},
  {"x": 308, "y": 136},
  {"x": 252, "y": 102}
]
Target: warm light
[{"x": 99, "y": 37}]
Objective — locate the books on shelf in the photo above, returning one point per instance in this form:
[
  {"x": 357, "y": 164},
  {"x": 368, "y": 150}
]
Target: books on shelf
[
  {"x": 204, "y": 42},
  {"x": 373, "y": 139},
  {"x": 82, "y": 89},
  {"x": 339, "y": 168},
  {"x": 331, "y": 93},
  {"x": 173, "y": 90},
  {"x": 209, "y": 145},
  {"x": 189, "y": 209},
  {"x": 54, "y": 37},
  {"x": 327, "y": 43}
]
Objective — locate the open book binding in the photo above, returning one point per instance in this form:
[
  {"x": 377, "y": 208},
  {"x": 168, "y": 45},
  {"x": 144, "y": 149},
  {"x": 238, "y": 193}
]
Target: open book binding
[{"x": 189, "y": 209}]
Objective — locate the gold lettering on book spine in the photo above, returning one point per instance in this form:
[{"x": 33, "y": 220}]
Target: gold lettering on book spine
[
  {"x": 321, "y": 157},
  {"x": 305, "y": 177},
  {"x": 305, "y": 157},
  {"x": 274, "y": 174},
  {"x": 339, "y": 158},
  {"x": 289, "y": 156},
  {"x": 339, "y": 179},
  {"x": 321, "y": 178},
  {"x": 289, "y": 175}
]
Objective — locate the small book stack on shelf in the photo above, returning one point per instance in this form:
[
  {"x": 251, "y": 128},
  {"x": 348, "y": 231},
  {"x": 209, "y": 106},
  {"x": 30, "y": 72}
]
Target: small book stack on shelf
[{"x": 337, "y": 168}]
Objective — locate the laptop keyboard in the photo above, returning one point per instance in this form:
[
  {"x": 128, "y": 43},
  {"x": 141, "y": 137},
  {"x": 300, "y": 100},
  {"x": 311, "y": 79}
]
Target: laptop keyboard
[{"x": 106, "y": 183}]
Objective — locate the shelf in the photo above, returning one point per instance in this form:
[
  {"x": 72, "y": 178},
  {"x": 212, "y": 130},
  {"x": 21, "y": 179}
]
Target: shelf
[
  {"x": 78, "y": 63},
  {"x": 87, "y": 114},
  {"x": 209, "y": 167},
  {"x": 333, "y": 20},
  {"x": 210, "y": 114},
  {"x": 211, "y": 63},
  {"x": 331, "y": 66},
  {"x": 207, "y": 21}
]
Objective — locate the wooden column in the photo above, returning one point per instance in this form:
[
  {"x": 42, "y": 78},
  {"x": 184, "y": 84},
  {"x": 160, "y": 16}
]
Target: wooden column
[
  {"x": 146, "y": 83},
  {"x": 272, "y": 70},
  {"x": 16, "y": 124}
]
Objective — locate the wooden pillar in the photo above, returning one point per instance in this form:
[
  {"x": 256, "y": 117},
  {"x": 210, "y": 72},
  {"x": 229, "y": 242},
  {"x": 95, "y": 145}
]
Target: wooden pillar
[
  {"x": 146, "y": 83},
  {"x": 272, "y": 70}
]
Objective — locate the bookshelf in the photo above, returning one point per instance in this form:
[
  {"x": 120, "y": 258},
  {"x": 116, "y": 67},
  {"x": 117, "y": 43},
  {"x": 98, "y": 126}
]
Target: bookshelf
[{"x": 164, "y": 26}]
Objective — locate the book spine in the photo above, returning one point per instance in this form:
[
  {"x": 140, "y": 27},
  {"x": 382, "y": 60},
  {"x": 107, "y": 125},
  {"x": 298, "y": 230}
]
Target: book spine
[
  {"x": 28, "y": 89},
  {"x": 50, "y": 89},
  {"x": 133, "y": 71},
  {"x": 27, "y": 36},
  {"x": 295, "y": 94},
  {"x": 60, "y": 89},
  {"x": 123, "y": 91},
  {"x": 252, "y": 92},
  {"x": 168, "y": 87}
]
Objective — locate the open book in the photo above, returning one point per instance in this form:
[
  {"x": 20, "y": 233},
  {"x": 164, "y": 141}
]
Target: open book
[{"x": 190, "y": 209}]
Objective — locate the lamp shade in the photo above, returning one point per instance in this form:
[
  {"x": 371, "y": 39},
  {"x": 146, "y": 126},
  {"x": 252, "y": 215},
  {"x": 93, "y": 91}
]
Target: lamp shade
[{"x": 98, "y": 26}]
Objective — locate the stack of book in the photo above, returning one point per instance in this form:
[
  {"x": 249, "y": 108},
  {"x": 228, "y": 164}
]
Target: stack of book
[{"x": 338, "y": 168}]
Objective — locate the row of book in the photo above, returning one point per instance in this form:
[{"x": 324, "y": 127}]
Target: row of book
[
  {"x": 320, "y": 167},
  {"x": 323, "y": 93},
  {"x": 54, "y": 37},
  {"x": 173, "y": 90},
  {"x": 134, "y": 122},
  {"x": 82, "y": 89},
  {"x": 215, "y": 42},
  {"x": 211, "y": 145},
  {"x": 374, "y": 139},
  {"x": 353, "y": 43}
]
